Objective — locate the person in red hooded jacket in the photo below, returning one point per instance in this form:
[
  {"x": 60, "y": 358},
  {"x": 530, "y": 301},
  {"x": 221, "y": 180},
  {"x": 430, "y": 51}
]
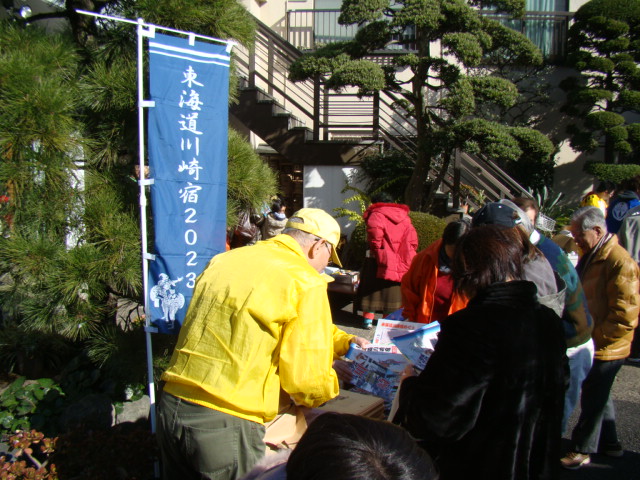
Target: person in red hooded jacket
[{"x": 393, "y": 242}]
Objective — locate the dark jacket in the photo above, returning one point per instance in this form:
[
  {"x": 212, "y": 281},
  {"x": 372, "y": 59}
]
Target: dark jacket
[
  {"x": 618, "y": 208},
  {"x": 489, "y": 403}
]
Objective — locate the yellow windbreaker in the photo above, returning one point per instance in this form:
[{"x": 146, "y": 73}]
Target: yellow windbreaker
[{"x": 259, "y": 320}]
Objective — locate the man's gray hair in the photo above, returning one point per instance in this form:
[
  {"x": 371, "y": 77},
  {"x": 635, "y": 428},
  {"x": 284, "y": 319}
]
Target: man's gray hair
[
  {"x": 589, "y": 217},
  {"x": 303, "y": 238}
]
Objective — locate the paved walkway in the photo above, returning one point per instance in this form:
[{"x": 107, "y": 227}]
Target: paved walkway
[{"x": 626, "y": 395}]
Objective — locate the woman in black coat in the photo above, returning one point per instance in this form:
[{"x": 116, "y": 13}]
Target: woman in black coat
[{"x": 489, "y": 403}]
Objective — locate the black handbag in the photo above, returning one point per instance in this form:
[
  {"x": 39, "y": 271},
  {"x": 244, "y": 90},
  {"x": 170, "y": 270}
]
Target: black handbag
[{"x": 245, "y": 232}]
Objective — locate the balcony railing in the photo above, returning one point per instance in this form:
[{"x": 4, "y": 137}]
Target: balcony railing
[
  {"x": 309, "y": 29},
  {"x": 547, "y": 30}
]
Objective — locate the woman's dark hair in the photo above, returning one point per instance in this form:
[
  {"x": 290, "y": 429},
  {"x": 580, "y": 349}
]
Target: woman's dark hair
[
  {"x": 632, "y": 184},
  {"x": 606, "y": 186},
  {"x": 349, "y": 447},
  {"x": 527, "y": 203},
  {"x": 454, "y": 231},
  {"x": 529, "y": 251},
  {"x": 382, "y": 197},
  {"x": 276, "y": 205},
  {"x": 487, "y": 254}
]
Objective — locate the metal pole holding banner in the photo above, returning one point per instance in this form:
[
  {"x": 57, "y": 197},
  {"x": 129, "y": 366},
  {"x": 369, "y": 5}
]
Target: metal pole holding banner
[
  {"x": 142, "y": 183},
  {"x": 145, "y": 30}
]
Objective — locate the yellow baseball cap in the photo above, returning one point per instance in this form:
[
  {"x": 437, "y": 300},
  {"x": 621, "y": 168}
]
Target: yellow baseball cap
[{"x": 319, "y": 223}]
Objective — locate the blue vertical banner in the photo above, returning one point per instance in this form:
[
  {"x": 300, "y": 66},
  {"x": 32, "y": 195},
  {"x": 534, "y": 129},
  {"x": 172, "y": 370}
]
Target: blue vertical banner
[{"x": 187, "y": 144}]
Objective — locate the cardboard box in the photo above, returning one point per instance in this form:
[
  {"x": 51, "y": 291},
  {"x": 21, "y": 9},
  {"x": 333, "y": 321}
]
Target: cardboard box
[
  {"x": 284, "y": 431},
  {"x": 355, "y": 404}
]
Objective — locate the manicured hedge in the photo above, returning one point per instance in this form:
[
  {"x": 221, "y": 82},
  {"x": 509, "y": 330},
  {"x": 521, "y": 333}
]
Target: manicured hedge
[{"x": 429, "y": 228}]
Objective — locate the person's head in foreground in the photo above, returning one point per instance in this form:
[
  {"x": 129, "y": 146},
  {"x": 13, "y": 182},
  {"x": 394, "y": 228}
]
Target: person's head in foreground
[
  {"x": 349, "y": 447},
  {"x": 318, "y": 234},
  {"x": 486, "y": 255}
]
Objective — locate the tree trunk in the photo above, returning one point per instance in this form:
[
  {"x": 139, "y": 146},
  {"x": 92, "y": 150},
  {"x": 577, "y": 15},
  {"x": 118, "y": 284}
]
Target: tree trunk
[
  {"x": 435, "y": 185},
  {"x": 610, "y": 155},
  {"x": 414, "y": 193},
  {"x": 82, "y": 26}
]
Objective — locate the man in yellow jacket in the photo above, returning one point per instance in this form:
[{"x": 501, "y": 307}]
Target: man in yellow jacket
[
  {"x": 259, "y": 322},
  {"x": 610, "y": 280}
]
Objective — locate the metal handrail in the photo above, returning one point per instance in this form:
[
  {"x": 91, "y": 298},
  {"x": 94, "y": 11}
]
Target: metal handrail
[
  {"x": 334, "y": 115},
  {"x": 308, "y": 28},
  {"x": 266, "y": 67}
]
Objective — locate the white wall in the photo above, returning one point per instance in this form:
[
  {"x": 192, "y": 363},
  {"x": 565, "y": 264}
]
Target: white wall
[
  {"x": 273, "y": 12},
  {"x": 322, "y": 187},
  {"x": 576, "y": 4}
]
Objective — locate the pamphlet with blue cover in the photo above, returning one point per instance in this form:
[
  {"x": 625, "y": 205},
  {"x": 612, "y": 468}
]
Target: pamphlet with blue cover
[{"x": 377, "y": 369}]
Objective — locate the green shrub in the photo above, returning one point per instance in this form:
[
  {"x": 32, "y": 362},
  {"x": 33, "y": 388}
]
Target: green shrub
[
  {"x": 387, "y": 171},
  {"x": 429, "y": 229},
  {"x": 615, "y": 173},
  {"x": 34, "y": 405},
  {"x": 125, "y": 451},
  {"x": 32, "y": 354}
]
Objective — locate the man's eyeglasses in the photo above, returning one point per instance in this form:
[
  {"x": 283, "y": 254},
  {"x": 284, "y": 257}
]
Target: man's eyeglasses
[{"x": 326, "y": 244}]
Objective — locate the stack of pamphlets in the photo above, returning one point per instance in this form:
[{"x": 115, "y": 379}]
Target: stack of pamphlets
[
  {"x": 385, "y": 329},
  {"x": 377, "y": 369},
  {"x": 417, "y": 345},
  {"x": 376, "y": 373}
]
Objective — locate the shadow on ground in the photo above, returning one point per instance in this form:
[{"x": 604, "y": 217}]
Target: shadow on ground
[{"x": 606, "y": 468}]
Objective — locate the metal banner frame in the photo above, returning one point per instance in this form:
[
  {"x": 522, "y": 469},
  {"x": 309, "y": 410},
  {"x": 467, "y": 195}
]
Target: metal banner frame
[{"x": 147, "y": 30}]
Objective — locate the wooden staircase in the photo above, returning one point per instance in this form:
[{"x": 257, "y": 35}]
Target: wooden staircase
[
  {"x": 289, "y": 136},
  {"x": 309, "y": 125},
  {"x": 287, "y": 115}
]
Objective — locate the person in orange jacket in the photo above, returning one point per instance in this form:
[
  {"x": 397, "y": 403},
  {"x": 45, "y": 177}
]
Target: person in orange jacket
[{"x": 427, "y": 287}]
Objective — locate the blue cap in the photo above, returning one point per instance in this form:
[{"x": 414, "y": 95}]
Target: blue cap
[{"x": 495, "y": 213}]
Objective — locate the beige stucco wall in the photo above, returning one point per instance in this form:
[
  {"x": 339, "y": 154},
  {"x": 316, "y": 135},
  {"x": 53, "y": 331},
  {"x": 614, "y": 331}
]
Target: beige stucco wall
[{"x": 568, "y": 175}]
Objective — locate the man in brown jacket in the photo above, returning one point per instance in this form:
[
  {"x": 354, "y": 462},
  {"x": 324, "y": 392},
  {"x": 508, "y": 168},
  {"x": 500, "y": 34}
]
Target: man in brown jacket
[{"x": 610, "y": 280}]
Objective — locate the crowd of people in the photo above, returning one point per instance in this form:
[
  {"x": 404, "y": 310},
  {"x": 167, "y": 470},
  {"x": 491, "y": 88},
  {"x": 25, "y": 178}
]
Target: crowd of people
[{"x": 524, "y": 336}]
